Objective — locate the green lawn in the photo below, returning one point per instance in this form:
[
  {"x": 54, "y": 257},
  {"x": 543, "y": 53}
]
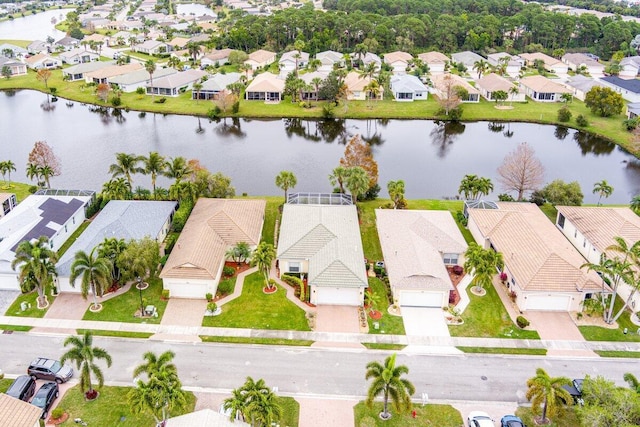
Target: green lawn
[
  {"x": 262, "y": 341},
  {"x": 272, "y": 213},
  {"x": 290, "y": 411},
  {"x": 120, "y": 334},
  {"x": 33, "y": 311},
  {"x": 550, "y": 211},
  {"x": 256, "y": 310},
  {"x": 622, "y": 354},
  {"x": 568, "y": 419},
  {"x": 596, "y": 333},
  {"x": 4, "y": 384},
  {"x": 109, "y": 409},
  {"x": 429, "y": 415},
  {"x": 486, "y": 317},
  {"x": 16, "y": 328},
  {"x": 388, "y": 324},
  {"x": 73, "y": 238},
  {"x": 376, "y": 346},
  {"x": 504, "y": 350},
  {"x": 20, "y": 189},
  {"x": 123, "y": 307}
]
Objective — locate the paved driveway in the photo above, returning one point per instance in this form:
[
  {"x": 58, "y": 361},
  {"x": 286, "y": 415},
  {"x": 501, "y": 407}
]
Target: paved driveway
[
  {"x": 6, "y": 299},
  {"x": 424, "y": 322},
  {"x": 337, "y": 318},
  {"x": 555, "y": 325}
]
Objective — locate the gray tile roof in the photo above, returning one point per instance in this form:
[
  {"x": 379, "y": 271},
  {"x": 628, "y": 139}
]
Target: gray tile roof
[
  {"x": 219, "y": 82},
  {"x": 140, "y": 76}
]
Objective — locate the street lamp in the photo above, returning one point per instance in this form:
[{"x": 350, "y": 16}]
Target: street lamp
[{"x": 141, "y": 286}]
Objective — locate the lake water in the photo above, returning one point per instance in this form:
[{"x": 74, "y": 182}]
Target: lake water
[
  {"x": 34, "y": 27},
  {"x": 193, "y": 9},
  {"x": 430, "y": 157}
]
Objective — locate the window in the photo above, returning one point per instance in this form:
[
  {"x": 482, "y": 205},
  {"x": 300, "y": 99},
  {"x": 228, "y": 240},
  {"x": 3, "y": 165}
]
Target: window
[
  {"x": 450, "y": 259},
  {"x": 561, "y": 221},
  {"x": 575, "y": 233},
  {"x": 65, "y": 228},
  {"x": 294, "y": 267}
]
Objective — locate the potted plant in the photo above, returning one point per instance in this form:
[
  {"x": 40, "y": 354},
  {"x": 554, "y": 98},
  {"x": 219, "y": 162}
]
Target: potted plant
[
  {"x": 503, "y": 277},
  {"x": 209, "y": 296}
]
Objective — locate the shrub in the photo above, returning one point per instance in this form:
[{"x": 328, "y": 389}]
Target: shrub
[
  {"x": 503, "y": 277},
  {"x": 33, "y": 189},
  {"x": 538, "y": 198},
  {"x": 461, "y": 218},
  {"x": 171, "y": 242},
  {"x": 116, "y": 101},
  {"x": 163, "y": 260},
  {"x": 582, "y": 121},
  {"x": 327, "y": 111},
  {"x": 272, "y": 283},
  {"x": 208, "y": 296},
  {"x": 140, "y": 91},
  {"x": 57, "y": 413},
  {"x": 522, "y": 322},
  {"x": 291, "y": 280},
  {"x": 212, "y": 307},
  {"x": 228, "y": 271},
  {"x": 214, "y": 113},
  {"x": 181, "y": 216},
  {"x": 226, "y": 287},
  {"x": 372, "y": 193},
  {"x": 504, "y": 197},
  {"x": 457, "y": 270},
  {"x": 564, "y": 114},
  {"x": 235, "y": 107},
  {"x": 630, "y": 124},
  {"x": 166, "y": 293},
  {"x": 160, "y": 100}
]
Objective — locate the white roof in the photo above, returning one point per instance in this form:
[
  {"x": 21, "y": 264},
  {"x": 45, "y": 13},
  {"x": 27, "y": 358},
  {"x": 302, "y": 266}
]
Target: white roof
[
  {"x": 219, "y": 82},
  {"x": 407, "y": 83}
]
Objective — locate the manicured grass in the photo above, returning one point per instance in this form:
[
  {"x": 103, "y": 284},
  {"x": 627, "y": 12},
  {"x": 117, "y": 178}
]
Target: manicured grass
[
  {"x": 597, "y": 333},
  {"x": 290, "y": 411},
  {"x": 16, "y": 328},
  {"x": 504, "y": 350},
  {"x": 550, "y": 211},
  {"x": 21, "y": 43},
  {"x": 486, "y": 317},
  {"x": 271, "y": 213},
  {"x": 429, "y": 415},
  {"x": 389, "y": 325},
  {"x": 20, "y": 189},
  {"x": 568, "y": 419},
  {"x": 376, "y": 346},
  {"x": 120, "y": 334},
  {"x": 109, "y": 409},
  {"x": 4, "y": 384},
  {"x": 73, "y": 238},
  {"x": 622, "y": 354},
  {"x": 33, "y": 311},
  {"x": 256, "y": 310},
  {"x": 122, "y": 308},
  {"x": 262, "y": 341}
]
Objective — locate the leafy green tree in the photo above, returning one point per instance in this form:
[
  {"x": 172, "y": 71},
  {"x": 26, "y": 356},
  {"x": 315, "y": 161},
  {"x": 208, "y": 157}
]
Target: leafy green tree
[
  {"x": 387, "y": 381},
  {"x": 559, "y": 193},
  {"x": 6, "y": 72},
  {"x": 262, "y": 258},
  {"x": 607, "y": 405},
  {"x": 546, "y": 391},
  {"x": 500, "y": 96},
  {"x": 111, "y": 248},
  {"x": 154, "y": 165},
  {"x": 483, "y": 264},
  {"x": 36, "y": 263},
  {"x": 139, "y": 259},
  {"x": 85, "y": 355},
  {"x": 396, "y": 193},
  {"x": 240, "y": 252},
  {"x": 604, "y": 101},
  {"x": 633, "y": 382},
  {"x": 357, "y": 182},
  {"x": 286, "y": 180},
  {"x": 126, "y": 165},
  {"x": 635, "y": 204},
  {"x": 602, "y": 189},
  {"x": 94, "y": 271}
]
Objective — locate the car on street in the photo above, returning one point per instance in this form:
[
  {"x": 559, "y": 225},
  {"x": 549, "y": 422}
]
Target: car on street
[
  {"x": 22, "y": 388},
  {"x": 49, "y": 369},
  {"x": 511, "y": 421},
  {"x": 479, "y": 419},
  {"x": 45, "y": 396},
  {"x": 575, "y": 390}
]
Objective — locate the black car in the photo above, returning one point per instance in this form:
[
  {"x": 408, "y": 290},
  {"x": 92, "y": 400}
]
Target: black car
[
  {"x": 575, "y": 390},
  {"x": 49, "y": 369},
  {"x": 45, "y": 397},
  {"x": 22, "y": 388}
]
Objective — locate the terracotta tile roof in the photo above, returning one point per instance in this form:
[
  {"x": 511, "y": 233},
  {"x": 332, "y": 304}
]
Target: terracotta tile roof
[
  {"x": 543, "y": 85},
  {"x": 534, "y": 250},
  {"x": 213, "y": 226},
  {"x": 116, "y": 70},
  {"x": 439, "y": 81},
  {"x": 396, "y": 56},
  {"x": 266, "y": 82},
  {"x": 261, "y": 55},
  {"x": 433, "y": 57},
  {"x": 16, "y": 413},
  {"x": 493, "y": 82}
]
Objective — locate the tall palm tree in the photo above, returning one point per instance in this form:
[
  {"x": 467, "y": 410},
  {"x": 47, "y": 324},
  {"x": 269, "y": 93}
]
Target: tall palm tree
[
  {"x": 84, "y": 354},
  {"x": 7, "y": 167},
  {"x": 177, "y": 168},
  {"x": 338, "y": 177},
  {"x": 481, "y": 66},
  {"x": 33, "y": 171},
  {"x": 36, "y": 263},
  {"x": 602, "y": 189},
  {"x": 396, "y": 192},
  {"x": 286, "y": 180},
  {"x": 154, "y": 165},
  {"x": 150, "y": 66},
  {"x": 513, "y": 91},
  {"x": 357, "y": 182},
  {"x": 126, "y": 165},
  {"x": 194, "y": 51},
  {"x": 262, "y": 258},
  {"x": 197, "y": 87},
  {"x": 388, "y": 381},
  {"x": 111, "y": 248},
  {"x": 473, "y": 187},
  {"x": 118, "y": 189},
  {"x": 634, "y": 205},
  {"x": 240, "y": 252},
  {"x": 483, "y": 264},
  {"x": 46, "y": 172},
  {"x": 255, "y": 403},
  {"x": 237, "y": 404},
  {"x": 548, "y": 392},
  {"x": 94, "y": 271}
]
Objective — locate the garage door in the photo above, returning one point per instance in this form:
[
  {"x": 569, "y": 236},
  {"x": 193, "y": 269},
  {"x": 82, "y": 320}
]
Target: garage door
[
  {"x": 546, "y": 302},
  {"x": 421, "y": 299},
  {"x": 186, "y": 290},
  {"x": 337, "y": 296}
]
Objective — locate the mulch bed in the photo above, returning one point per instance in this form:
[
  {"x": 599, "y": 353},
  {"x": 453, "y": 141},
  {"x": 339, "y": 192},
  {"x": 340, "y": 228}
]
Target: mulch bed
[
  {"x": 57, "y": 421},
  {"x": 454, "y": 296},
  {"x": 239, "y": 268},
  {"x": 375, "y": 314}
]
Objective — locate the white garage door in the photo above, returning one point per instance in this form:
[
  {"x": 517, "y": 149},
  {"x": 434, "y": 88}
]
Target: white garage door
[
  {"x": 421, "y": 299},
  {"x": 190, "y": 290},
  {"x": 546, "y": 302},
  {"x": 337, "y": 296}
]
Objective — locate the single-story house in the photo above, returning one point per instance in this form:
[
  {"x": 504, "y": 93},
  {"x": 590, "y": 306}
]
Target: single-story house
[
  {"x": 575, "y": 61},
  {"x": 12, "y": 51},
  {"x": 132, "y": 80},
  {"x": 8, "y": 202},
  {"x": 42, "y": 60},
  {"x": 467, "y": 58},
  {"x": 330, "y": 59},
  {"x": 322, "y": 243},
  {"x": 260, "y": 58},
  {"x": 435, "y": 60},
  {"x": 513, "y": 62},
  {"x": 55, "y": 217},
  {"x": 491, "y": 83},
  {"x": 591, "y": 230},
  {"x": 176, "y": 83},
  {"x": 66, "y": 43},
  {"x": 204, "y": 418},
  {"x": 630, "y": 67},
  {"x": 580, "y": 85},
  {"x": 152, "y": 47},
  {"x": 542, "y": 267},
  {"x": 178, "y": 43},
  {"x": 368, "y": 58},
  {"x": 550, "y": 64},
  {"x": 265, "y": 87},
  {"x": 78, "y": 56},
  {"x": 629, "y": 89},
  {"x": 633, "y": 110},
  {"x": 443, "y": 84},
  {"x": 356, "y": 84},
  {"x": 195, "y": 264},
  {"x": 38, "y": 46},
  {"x": 408, "y": 88},
  {"x": 104, "y": 75},
  {"x": 121, "y": 38},
  {"x": 215, "y": 85},
  {"x": 77, "y": 72},
  {"x": 97, "y": 38},
  {"x": 18, "y": 413},
  {"x": 120, "y": 219},
  {"x": 310, "y": 80},
  {"x": 398, "y": 61},
  {"x": 542, "y": 89},
  {"x": 16, "y": 67},
  {"x": 289, "y": 59},
  {"x": 219, "y": 57},
  {"x": 418, "y": 246}
]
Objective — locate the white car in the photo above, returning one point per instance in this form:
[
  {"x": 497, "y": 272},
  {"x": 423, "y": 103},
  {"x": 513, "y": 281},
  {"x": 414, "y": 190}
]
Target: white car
[{"x": 480, "y": 419}]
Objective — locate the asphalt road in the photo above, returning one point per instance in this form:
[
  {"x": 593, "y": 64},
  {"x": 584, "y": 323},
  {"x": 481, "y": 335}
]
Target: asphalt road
[{"x": 321, "y": 372}]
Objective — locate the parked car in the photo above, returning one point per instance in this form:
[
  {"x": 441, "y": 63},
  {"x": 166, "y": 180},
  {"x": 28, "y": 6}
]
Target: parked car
[
  {"x": 575, "y": 390},
  {"x": 49, "y": 369},
  {"x": 511, "y": 421},
  {"x": 479, "y": 419},
  {"x": 45, "y": 396},
  {"x": 22, "y": 388}
]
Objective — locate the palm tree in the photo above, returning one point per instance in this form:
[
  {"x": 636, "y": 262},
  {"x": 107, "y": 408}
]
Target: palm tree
[
  {"x": 240, "y": 252},
  {"x": 388, "y": 382},
  {"x": 37, "y": 266},
  {"x": 33, "y": 171},
  {"x": 118, "y": 189},
  {"x": 481, "y": 66},
  {"x": 357, "y": 182},
  {"x": 338, "y": 177},
  {"x": 95, "y": 273},
  {"x": 262, "y": 258},
  {"x": 111, "y": 248},
  {"x": 154, "y": 165},
  {"x": 84, "y": 354},
  {"x": 150, "y": 66},
  {"x": 197, "y": 87},
  {"x": 602, "y": 189},
  {"x": 286, "y": 180},
  {"x": 46, "y": 172},
  {"x": 633, "y": 382},
  {"x": 316, "y": 82},
  {"x": 635, "y": 204},
  {"x": 548, "y": 392},
  {"x": 254, "y": 401},
  {"x": 396, "y": 192},
  {"x": 237, "y": 404},
  {"x": 194, "y": 51},
  {"x": 513, "y": 91},
  {"x": 7, "y": 167},
  {"x": 126, "y": 165},
  {"x": 483, "y": 264},
  {"x": 473, "y": 186},
  {"x": 177, "y": 168}
]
